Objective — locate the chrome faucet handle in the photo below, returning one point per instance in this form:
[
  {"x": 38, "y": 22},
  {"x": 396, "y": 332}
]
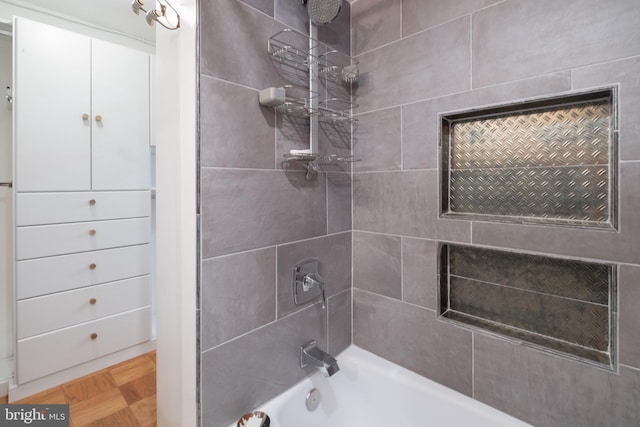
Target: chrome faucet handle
[{"x": 310, "y": 281}]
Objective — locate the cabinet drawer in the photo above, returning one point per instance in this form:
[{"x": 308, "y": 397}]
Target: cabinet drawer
[
  {"x": 43, "y": 276},
  {"x": 53, "y": 208},
  {"x": 47, "y": 240},
  {"x": 47, "y": 313},
  {"x": 48, "y": 353}
]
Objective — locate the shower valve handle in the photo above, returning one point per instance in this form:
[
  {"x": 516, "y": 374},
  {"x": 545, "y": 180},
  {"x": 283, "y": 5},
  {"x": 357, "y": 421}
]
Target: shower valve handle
[{"x": 313, "y": 280}]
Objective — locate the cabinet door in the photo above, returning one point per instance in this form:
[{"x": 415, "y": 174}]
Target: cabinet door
[
  {"x": 120, "y": 91},
  {"x": 52, "y": 93}
]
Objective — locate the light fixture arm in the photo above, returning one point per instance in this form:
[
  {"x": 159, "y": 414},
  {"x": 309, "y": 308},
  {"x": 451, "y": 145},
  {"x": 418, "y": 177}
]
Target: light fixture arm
[{"x": 152, "y": 16}]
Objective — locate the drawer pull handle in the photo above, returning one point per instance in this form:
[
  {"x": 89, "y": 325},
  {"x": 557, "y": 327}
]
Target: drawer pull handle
[
  {"x": 92, "y": 232},
  {"x": 94, "y": 336},
  {"x": 92, "y": 202},
  {"x": 92, "y": 301},
  {"x": 85, "y": 116},
  {"x": 92, "y": 266},
  {"x": 98, "y": 118}
]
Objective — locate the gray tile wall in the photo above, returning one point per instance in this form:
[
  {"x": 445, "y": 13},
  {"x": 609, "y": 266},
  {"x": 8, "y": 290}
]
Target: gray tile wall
[
  {"x": 257, "y": 220},
  {"x": 420, "y": 58}
]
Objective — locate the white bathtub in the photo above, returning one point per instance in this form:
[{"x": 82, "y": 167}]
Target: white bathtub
[{"x": 369, "y": 391}]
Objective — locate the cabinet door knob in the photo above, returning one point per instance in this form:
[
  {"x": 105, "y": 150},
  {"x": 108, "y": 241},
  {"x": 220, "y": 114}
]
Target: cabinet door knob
[
  {"x": 92, "y": 232},
  {"x": 94, "y": 336},
  {"x": 85, "y": 116},
  {"x": 98, "y": 118},
  {"x": 92, "y": 266},
  {"x": 92, "y": 301},
  {"x": 92, "y": 202}
]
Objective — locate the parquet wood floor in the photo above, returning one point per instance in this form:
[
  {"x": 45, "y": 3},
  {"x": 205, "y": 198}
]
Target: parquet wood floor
[{"x": 123, "y": 395}]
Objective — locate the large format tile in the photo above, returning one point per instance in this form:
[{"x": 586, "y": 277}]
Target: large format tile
[
  {"x": 403, "y": 203},
  {"x": 377, "y": 264},
  {"x": 414, "y": 338},
  {"x": 248, "y": 209},
  {"x": 546, "y": 390},
  {"x": 334, "y": 254},
  {"x": 427, "y": 65},
  {"x": 629, "y": 315},
  {"x": 266, "y": 6},
  {"x": 420, "y": 272},
  {"x": 237, "y": 295},
  {"x": 377, "y": 142},
  {"x": 621, "y": 246},
  {"x": 519, "y": 38},
  {"x": 374, "y": 23},
  {"x": 395, "y": 203},
  {"x": 339, "y": 328},
  {"x": 338, "y": 202},
  {"x": 293, "y": 14},
  {"x": 225, "y": 138},
  {"x": 421, "y": 121},
  {"x": 625, "y": 73},
  {"x": 233, "y": 44},
  {"x": 244, "y": 373},
  {"x": 418, "y": 15}
]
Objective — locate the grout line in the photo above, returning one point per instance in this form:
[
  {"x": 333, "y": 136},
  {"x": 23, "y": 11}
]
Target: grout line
[
  {"x": 491, "y": 86},
  {"x": 275, "y": 316},
  {"x": 402, "y": 268},
  {"x": 326, "y": 201},
  {"x": 571, "y": 77},
  {"x": 396, "y": 171},
  {"x": 473, "y": 364},
  {"x": 401, "y": 138},
  {"x": 397, "y": 300},
  {"x": 401, "y": 16},
  {"x": 276, "y": 245},
  {"x": 471, "y": 51}
]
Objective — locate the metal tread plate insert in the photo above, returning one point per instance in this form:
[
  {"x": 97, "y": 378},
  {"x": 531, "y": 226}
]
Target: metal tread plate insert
[
  {"x": 549, "y": 160},
  {"x": 565, "y": 306}
]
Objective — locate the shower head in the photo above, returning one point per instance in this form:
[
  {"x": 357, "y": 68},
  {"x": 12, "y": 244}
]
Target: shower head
[{"x": 322, "y": 12}]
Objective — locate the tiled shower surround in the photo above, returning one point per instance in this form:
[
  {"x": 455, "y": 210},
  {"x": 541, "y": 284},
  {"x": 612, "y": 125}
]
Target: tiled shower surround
[
  {"x": 421, "y": 58},
  {"x": 257, "y": 221},
  {"x": 418, "y": 58}
]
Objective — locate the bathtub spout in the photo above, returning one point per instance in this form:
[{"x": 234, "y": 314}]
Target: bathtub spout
[{"x": 310, "y": 354}]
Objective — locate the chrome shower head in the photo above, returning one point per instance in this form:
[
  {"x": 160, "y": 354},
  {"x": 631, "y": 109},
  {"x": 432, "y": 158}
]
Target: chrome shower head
[{"x": 322, "y": 12}]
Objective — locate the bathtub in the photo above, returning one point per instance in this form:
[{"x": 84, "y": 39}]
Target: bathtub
[{"x": 369, "y": 391}]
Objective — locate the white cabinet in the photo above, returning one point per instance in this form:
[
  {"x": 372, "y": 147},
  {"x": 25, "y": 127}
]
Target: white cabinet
[
  {"x": 81, "y": 112},
  {"x": 82, "y": 201}
]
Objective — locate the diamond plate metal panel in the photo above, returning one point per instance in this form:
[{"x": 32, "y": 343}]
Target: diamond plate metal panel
[
  {"x": 567, "y": 136},
  {"x": 564, "y": 305},
  {"x": 572, "y": 193},
  {"x": 582, "y": 281},
  {"x": 543, "y": 163}
]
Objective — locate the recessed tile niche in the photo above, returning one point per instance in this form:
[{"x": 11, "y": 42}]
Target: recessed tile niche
[
  {"x": 561, "y": 305},
  {"x": 547, "y": 161}
]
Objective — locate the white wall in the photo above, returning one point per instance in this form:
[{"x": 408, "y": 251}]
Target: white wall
[
  {"x": 174, "y": 105},
  {"x": 6, "y": 235}
]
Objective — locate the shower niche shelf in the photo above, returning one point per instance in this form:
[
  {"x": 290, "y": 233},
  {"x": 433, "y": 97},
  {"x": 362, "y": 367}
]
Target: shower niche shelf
[
  {"x": 563, "y": 306},
  {"x": 319, "y": 92},
  {"x": 545, "y": 161}
]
